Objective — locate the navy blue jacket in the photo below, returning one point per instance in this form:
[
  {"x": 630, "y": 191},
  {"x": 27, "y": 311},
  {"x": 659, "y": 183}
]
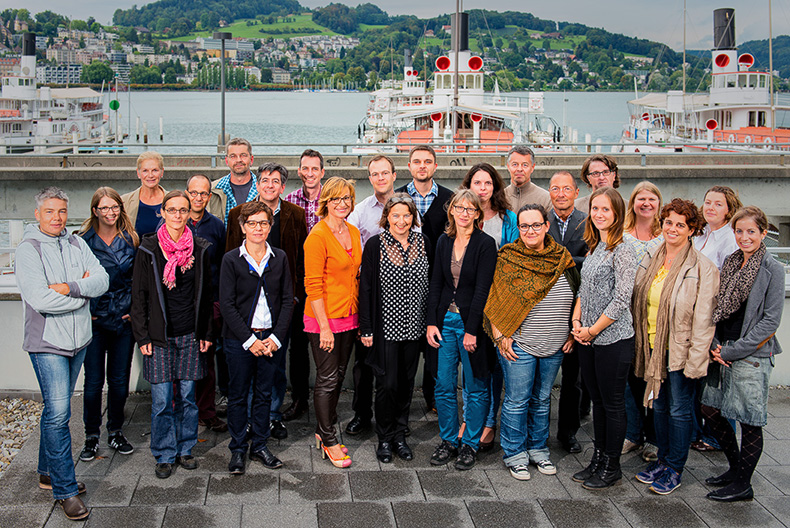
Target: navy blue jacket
[
  {"x": 118, "y": 260},
  {"x": 212, "y": 230}
]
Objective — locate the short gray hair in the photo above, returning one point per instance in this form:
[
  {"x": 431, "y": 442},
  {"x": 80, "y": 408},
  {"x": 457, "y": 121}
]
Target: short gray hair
[
  {"x": 523, "y": 150},
  {"x": 270, "y": 167},
  {"x": 49, "y": 193}
]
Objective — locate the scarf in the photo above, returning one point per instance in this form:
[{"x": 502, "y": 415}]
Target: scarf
[
  {"x": 652, "y": 366},
  {"x": 736, "y": 283},
  {"x": 178, "y": 253},
  {"x": 523, "y": 277}
]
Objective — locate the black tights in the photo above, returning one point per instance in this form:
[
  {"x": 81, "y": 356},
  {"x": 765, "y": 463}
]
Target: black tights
[{"x": 743, "y": 462}]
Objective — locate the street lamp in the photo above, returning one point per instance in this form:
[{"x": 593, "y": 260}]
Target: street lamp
[{"x": 222, "y": 36}]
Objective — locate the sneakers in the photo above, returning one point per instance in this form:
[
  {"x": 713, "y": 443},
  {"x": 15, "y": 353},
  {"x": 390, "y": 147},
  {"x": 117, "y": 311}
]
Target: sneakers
[
  {"x": 91, "y": 449},
  {"x": 119, "y": 442},
  {"x": 519, "y": 471},
  {"x": 629, "y": 446},
  {"x": 650, "y": 453},
  {"x": 466, "y": 458},
  {"x": 443, "y": 452},
  {"x": 649, "y": 475},
  {"x": 666, "y": 482},
  {"x": 546, "y": 467}
]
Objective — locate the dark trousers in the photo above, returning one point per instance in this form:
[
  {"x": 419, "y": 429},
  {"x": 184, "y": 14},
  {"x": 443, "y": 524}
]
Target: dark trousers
[
  {"x": 243, "y": 369},
  {"x": 394, "y": 389},
  {"x": 362, "y": 403},
  {"x": 568, "y": 420},
  {"x": 205, "y": 389},
  {"x": 112, "y": 349},
  {"x": 648, "y": 431},
  {"x": 605, "y": 372},
  {"x": 299, "y": 371},
  {"x": 428, "y": 380},
  {"x": 330, "y": 370}
]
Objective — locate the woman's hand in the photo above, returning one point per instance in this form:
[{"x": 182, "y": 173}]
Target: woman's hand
[
  {"x": 583, "y": 335},
  {"x": 567, "y": 348},
  {"x": 434, "y": 336},
  {"x": 716, "y": 354},
  {"x": 367, "y": 341},
  {"x": 506, "y": 349},
  {"x": 470, "y": 342},
  {"x": 204, "y": 346},
  {"x": 326, "y": 340},
  {"x": 147, "y": 349}
]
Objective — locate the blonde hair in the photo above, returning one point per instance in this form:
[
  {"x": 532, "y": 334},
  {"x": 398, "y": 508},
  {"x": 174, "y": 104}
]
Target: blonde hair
[
  {"x": 335, "y": 187},
  {"x": 459, "y": 196},
  {"x": 150, "y": 155},
  {"x": 630, "y": 216}
]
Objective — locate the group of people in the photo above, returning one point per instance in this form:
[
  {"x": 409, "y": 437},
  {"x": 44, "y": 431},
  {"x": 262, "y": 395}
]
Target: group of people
[{"x": 662, "y": 316}]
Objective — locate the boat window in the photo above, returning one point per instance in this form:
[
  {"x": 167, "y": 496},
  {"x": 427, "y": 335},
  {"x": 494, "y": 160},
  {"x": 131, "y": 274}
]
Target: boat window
[
  {"x": 752, "y": 115},
  {"x": 762, "y": 81},
  {"x": 760, "y": 119},
  {"x": 742, "y": 80},
  {"x": 479, "y": 82},
  {"x": 752, "y": 81},
  {"x": 730, "y": 81},
  {"x": 727, "y": 119}
]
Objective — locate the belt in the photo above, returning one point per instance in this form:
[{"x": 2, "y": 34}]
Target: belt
[{"x": 261, "y": 330}]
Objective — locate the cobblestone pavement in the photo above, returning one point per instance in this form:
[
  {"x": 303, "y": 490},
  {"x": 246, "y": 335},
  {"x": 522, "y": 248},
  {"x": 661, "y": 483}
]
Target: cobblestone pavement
[{"x": 309, "y": 492}]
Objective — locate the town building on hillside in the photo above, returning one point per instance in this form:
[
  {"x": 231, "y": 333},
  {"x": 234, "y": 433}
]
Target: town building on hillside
[
  {"x": 63, "y": 74},
  {"x": 280, "y": 76}
]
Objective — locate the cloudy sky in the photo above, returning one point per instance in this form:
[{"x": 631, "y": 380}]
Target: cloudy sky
[{"x": 655, "y": 20}]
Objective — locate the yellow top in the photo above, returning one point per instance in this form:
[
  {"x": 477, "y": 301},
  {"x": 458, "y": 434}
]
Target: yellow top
[{"x": 653, "y": 298}]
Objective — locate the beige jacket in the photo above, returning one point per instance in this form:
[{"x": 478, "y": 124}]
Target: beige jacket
[
  {"x": 217, "y": 202},
  {"x": 131, "y": 202}
]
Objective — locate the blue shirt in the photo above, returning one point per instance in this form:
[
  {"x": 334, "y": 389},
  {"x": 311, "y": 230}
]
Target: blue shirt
[
  {"x": 211, "y": 229},
  {"x": 423, "y": 203},
  {"x": 148, "y": 218}
]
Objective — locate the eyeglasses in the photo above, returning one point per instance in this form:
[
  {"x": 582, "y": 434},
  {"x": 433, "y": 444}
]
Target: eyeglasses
[
  {"x": 252, "y": 224},
  {"x": 598, "y": 174},
  {"x": 107, "y": 208},
  {"x": 461, "y": 209},
  {"x": 338, "y": 199},
  {"x": 202, "y": 194},
  {"x": 556, "y": 189},
  {"x": 242, "y": 156},
  {"x": 173, "y": 210},
  {"x": 534, "y": 227}
]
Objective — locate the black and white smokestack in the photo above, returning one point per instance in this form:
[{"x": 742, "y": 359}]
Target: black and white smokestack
[
  {"x": 29, "y": 44},
  {"x": 460, "y": 35},
  {"x": 724, "y": 29}
]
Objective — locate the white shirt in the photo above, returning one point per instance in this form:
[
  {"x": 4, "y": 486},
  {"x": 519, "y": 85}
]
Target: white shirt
[
  {"x": 262, "y": 318},
  {"x": 716, "y": 245},
  {"x": 366, "y": 217}
]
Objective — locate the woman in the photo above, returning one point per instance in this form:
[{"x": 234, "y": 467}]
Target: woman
[
  {"x": 717, "y": 240},
  {"x": 528, "y": 317},
  {"x": 112, "y": 238},
  {"x": 171, "y": 311},
  {"x": 747, "y": 315},
  {"x": 602, "y": 325},
  {"x": 500, "y": 223},
  {"x": 144, "y": 203},
  {"x": 333, "y": 254},
  {"x": 672, "y": 305},
  {"x": 643, "y": 232},
  {"x": 393, "y": 293},
  {"x": 463, "y": 270},
  {"x": 256, "y": 301}
]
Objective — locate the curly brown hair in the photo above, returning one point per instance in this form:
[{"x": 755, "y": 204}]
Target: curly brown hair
[{"x": 686, "y": 209}]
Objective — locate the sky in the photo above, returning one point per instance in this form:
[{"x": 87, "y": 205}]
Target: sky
[{"x": 655, "y": 20}]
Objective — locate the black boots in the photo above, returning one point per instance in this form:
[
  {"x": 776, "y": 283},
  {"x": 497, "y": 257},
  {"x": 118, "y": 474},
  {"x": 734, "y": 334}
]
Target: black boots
[
  {"x": 590, "y": 470},
  {"x": 608, "y": 473}
]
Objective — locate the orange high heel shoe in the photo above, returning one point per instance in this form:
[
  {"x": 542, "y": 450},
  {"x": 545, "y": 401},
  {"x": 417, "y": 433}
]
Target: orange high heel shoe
[
  {"x": 337, "y": 462},
  {"x": 318, "y": 444}
]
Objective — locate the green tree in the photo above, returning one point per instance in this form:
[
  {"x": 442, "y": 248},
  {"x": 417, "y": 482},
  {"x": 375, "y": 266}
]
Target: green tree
[
  {"x": 356, "y": 74},
  {"x": 97, "y": 72},
  {"x": 170, "y": 76}
]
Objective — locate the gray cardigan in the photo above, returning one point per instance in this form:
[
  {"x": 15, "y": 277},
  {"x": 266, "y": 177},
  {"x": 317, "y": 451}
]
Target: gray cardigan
[{"x": 763, "y": 314}]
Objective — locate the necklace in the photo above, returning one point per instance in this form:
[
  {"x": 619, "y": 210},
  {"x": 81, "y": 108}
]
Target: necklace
[{"x": 338, "y": 231}]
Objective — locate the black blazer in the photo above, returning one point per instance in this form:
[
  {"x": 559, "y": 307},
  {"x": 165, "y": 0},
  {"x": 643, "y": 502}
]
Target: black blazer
[
  {"x": 240, "y": 288},
  {"x": 574, "y": 235},
  {"x": 477, "y": 274},
  {"x": 435, "y": 218}
]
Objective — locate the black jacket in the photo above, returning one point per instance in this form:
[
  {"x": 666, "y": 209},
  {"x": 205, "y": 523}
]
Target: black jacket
[
  {"x": 477, "y": 273},
  {"x": 240, "y": 288},
  {"x": 574, "y": 235},
  {"x": 149, "y": 317},
  {"x": 435, "y": 219},
  {"x": 118, "y": 260}
]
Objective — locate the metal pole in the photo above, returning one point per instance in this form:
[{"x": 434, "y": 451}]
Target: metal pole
[
  {"x": 457, "y": 32},
  {"x": 771, "y": 67},
  {"x": 222, "y": 36}
]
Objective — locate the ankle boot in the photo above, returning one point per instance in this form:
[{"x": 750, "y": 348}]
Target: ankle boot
[
  {"x": 590, "y": 470},
  {"x": 608, "y": 473}
]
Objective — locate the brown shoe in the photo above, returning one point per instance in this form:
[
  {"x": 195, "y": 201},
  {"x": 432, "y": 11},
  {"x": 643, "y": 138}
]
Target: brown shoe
[
  {"x": 45, "y": 483},
  {"x": 215, "y": 424},
  {"x": 74, "y": 508}
]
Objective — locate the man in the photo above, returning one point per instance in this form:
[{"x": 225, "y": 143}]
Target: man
[
  {"x": 366, "y": 216},
  {"x": 521, "y": 191},
  {"x": 311, "y": 171},
  {"x": 288, "y": 232},
  {"x": 599, "y": 170},
  {"x": 566, "y": 227},
  {"x": 431, "y": 200},
  {"x": 238, "y": 186},
  {"x": 210, "y": 228},
  {"x": 57, "y": 275}
]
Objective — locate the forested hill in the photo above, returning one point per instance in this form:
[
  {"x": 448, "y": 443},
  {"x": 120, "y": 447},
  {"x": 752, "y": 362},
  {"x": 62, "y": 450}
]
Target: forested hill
[{"x": 759, "y": 48}]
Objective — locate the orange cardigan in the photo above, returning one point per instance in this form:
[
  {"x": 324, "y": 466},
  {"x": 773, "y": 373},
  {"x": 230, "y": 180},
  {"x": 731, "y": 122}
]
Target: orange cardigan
[{"x": 330, "y": 274}]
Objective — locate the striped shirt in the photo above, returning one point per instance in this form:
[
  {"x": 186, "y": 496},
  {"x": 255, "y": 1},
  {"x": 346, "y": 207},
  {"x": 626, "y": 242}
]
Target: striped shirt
[{"x": 546, "y": 327}]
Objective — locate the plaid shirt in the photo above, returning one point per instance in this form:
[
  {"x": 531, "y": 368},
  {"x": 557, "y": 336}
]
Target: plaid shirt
[
  {"x": 423, "y": 203},
  {"x": 310, "y": 207},
  {"x": 562, "y": 225}
]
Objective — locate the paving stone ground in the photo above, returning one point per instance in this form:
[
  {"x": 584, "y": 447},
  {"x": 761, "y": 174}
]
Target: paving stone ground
[{"x": 309, "y": 492}]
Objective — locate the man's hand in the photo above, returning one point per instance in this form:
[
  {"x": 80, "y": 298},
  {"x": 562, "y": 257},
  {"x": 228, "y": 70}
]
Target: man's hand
[{"x": 61, "y": 287}]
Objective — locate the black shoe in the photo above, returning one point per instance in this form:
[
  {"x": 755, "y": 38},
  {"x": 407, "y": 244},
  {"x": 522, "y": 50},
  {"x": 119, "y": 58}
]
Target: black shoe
[
  {"x": 119, "y": 442},
  {"x": 728, "y": 494},
  {"x": 187, "y": 462},
  {"x": 278, "y": 430},
  {"x": 384, "y": 452},
  {"x": 466, "y": 458},
  {"x": 91, "y": 449},
  {"x": 357, "y": 426},
  {"x": 236, "y": 464},
  {"x": 607, "y": 475},
  {"x": 403, "y": 450},
  {"x": 407, "y": 432},
  {"x": 296, "y": 409},
  {"x": 443, "y": 452},
  {"x": 590, "y": 470},
  {"x": 265, "y": 457},
  {"x": 570, "y": 444},
  {"x": 725, "y": 479},
  {"x": 163, "y": 470}
]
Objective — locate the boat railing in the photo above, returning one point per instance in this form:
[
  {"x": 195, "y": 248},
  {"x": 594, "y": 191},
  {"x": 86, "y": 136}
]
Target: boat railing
[{"x": 506, "y": 102}]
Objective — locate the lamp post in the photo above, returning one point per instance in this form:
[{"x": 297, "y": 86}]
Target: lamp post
[{"x": 222, "y": 36}]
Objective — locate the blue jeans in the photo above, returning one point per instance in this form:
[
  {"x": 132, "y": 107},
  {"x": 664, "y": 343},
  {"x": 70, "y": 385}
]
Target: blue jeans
[
  {"x": 280, "y": 382},
  {"x": 174, "y": 420},
  {"x": 114, "y": 347},
  {"x": 57, "y": 376},
  {"x": 497, "y": 380},
  {"x": 672, "y": 418},
  {"x": 452, "y": 352},
  {"x": 525, "y": 411}
]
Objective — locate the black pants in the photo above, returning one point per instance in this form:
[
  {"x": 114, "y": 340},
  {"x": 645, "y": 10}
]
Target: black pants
[
  {"x": 638, "y": 387},
  {"x": 428, "y": 381},
  {"x": 362, "y": 403},
  {"x": 330, "y": 370},
  {"x": 568, "y": 421},
  {"x": 605, "y": 372},
  {"x": 299, "y": 371},
  {"x": 394, "y": 388}
]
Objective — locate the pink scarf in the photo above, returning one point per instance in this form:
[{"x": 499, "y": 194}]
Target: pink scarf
[{"x": 177, "y": 254}]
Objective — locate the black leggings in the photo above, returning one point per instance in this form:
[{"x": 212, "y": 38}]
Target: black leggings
[{"x": 605, "y": 372}]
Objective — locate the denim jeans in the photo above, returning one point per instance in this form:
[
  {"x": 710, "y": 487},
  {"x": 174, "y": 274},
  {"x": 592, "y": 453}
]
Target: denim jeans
[
  {"x": 115, "y": 348},
  {"x": 672, "y": 417},
  {"x": 57, "y": 376},
  {"x": 495, "y": 388},
  {"x": 280, "y": 382},
  {"x": 174, "y": 420},
  {"x": 527, "y": 405},
  {"x": 451, "y": 353}
]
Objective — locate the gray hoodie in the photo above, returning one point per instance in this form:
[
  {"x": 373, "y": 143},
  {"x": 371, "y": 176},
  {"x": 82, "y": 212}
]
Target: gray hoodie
[{"x": 55, "y": 323}]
